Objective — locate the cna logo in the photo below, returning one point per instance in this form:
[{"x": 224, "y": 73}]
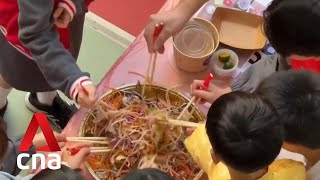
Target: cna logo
[{"x": 54, "y": 163}]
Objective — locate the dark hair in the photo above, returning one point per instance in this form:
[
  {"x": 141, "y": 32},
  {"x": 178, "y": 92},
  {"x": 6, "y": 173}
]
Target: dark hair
[
  {"x": 3, "y": 139},
  {"x": 65, "y": 173},
  {"x": 147, "y": 174},
  {"x": 245, "y": 131},
  {"x": 292, "y": 26},
  {"x": 296, "y": 97}
]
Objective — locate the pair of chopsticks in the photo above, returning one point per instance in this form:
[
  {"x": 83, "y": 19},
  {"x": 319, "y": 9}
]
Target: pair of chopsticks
[
  {"x": 182, "y": 123},
  {"x": 74, "y": 151},
  {"x": 153, "y": 58},
  {"x": 204, "y": 87},
  {"x": 94, "y": 140}
]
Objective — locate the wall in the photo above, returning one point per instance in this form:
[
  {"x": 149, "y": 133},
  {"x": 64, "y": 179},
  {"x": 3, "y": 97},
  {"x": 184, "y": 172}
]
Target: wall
[{"x": 129, "y": 15}]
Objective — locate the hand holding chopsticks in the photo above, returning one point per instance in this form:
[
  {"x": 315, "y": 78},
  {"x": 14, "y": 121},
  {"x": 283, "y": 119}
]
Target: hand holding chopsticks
[
  {"x": 94, "y": 140},
  {"x": 153, "y": 58},
  {"x": 204, "y": 87}
]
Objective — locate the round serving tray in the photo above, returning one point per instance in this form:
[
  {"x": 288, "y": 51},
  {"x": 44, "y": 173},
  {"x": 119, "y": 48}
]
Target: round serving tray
[{"x": 151, "y": 90}]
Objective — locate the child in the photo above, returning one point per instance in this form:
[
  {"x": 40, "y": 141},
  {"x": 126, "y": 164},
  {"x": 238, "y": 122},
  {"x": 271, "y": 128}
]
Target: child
[
  {"x": 292, "y": 28},
  {"x": 9, "y": 149},
  {"x": 9, "y": 153},
  {"x": 240, "y": 140},
  {"x": 37, "y": 57},
  {"x": 296, "y": 97}
]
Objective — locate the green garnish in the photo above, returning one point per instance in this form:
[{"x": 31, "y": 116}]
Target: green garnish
[{"x": 228, "y": 65}]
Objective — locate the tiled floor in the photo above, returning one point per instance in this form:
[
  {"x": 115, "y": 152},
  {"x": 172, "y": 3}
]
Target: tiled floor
[{"x": 97, "y": 55}]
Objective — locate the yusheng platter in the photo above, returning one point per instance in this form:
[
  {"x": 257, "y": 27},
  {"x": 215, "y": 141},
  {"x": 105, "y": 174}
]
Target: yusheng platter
[{"x": 136, "y": 136}]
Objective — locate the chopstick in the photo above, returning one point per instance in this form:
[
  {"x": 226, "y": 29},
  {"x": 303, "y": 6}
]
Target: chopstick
[
  {"x": 99, "y": 149},
  {"x": 95, "y": 140},
  {"x": 186, "y": 108},
  {"x": 153, "y": 58},
  {"x": 147, "y": 77},
  {"x": 74, "y": 151},
  {"x": 175, "y": 122},
  {"x": 203, "y": 87},
  {"x": 88, "y": 138},
  {"x": 194, "y": 107}
]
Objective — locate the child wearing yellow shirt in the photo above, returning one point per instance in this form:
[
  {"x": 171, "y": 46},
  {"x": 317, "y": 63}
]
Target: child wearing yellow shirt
[
  {"x": 296, "y": 97},
  {"x": 240, "y": 140}
]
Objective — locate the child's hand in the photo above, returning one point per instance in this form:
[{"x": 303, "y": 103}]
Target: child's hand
[
  {"x": 61, "y": 17},
  {"x": 173, "y": 21},
  {"x": 87, "y": 100},
  {"x": 39, "y": 140},
  {"x": 211, "y": 94},
  {"x": 75, "y": 161}
]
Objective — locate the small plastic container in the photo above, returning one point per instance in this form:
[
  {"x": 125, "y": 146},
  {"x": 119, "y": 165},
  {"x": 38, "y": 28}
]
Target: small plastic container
[
  {"x": 194, "y": 40},
  {"x": 194, "y": 45},
  {"x": 217, "y": 66}
]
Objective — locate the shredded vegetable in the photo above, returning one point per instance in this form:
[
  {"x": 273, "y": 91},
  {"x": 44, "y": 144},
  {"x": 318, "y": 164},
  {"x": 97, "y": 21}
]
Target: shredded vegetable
[{"x": 130, "y": 122}]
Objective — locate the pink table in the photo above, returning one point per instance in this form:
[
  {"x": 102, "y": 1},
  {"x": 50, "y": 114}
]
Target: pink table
[{"x": 135, "y": 59}]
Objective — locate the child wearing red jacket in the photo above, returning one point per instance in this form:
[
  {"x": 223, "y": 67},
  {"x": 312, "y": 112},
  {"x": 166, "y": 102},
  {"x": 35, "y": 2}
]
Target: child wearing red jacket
[{"x": 38, "y": 57}]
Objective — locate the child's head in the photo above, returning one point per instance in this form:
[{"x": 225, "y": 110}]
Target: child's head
[
  {"x": 296, "y": 97},
  {"x": 3, "y": 139},
  {"x": 244, "y": 131},
  {"x": 292, "y": 27},
  {"x": 147, "y": 174}
]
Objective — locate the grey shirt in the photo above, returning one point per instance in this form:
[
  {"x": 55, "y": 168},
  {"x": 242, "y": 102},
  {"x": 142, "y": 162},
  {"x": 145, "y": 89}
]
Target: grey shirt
[
  {"x": 7, "y": 176},
  {"x": 251, "y": 78},
  {"x": 9, "y": 162}
]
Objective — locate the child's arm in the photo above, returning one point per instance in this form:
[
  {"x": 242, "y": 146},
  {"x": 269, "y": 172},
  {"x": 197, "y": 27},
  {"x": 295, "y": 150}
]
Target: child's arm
[
  {"x": 71, "y": 6},
  {"x": 247, "y": 81},
  {"x": 66, "y": 10},
  {"x": 37, "y": 33},
  {"x": 250, "y": 79}
]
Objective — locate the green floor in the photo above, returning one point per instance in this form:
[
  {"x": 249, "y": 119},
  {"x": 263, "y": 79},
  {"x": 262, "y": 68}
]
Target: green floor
[{"x": 97, "y": 55}]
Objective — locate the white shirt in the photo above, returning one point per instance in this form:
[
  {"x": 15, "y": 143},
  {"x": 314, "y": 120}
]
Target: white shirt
[
  {"x": 314, "y": 172},
  {"x": 284, "y": 154}
]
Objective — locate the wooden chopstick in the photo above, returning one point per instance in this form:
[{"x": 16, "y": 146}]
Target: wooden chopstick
[
  {"x": 147, "y": 77},
  {"x": 88, "y": 141},
  {"x": 95, "y": 140},
  {"x": 186, "y": 108},
  {"x": 194, "y": 107},
  {"x": 99, "y": 149},
  {"x": 153, "y": 66},
  {"x": 88, "y": 138},
  {"x": 176, "y": 122}
]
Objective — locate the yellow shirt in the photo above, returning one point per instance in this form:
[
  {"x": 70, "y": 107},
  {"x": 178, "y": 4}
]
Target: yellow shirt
[{"x": 199, "y": 148}]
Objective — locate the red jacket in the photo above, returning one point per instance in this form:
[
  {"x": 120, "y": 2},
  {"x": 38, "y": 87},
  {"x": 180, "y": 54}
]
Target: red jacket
[
  {"x": 9, "y": 26},
  {"x": 28, "y": 26}
]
